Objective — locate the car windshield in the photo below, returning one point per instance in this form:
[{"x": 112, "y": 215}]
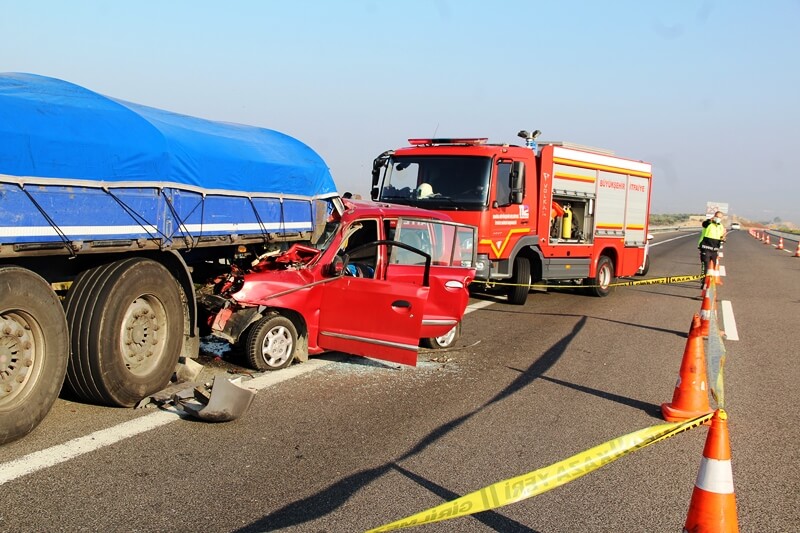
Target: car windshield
[{"x": 437, "y": 181}]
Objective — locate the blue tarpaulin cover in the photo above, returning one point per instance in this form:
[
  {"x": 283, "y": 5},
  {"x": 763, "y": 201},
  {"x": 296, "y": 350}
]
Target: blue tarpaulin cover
[{"x": 54, "y": 129}]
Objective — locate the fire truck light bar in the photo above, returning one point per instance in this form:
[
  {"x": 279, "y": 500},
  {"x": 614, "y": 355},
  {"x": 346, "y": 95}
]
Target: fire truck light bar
[{"x": 461, "y": 140}]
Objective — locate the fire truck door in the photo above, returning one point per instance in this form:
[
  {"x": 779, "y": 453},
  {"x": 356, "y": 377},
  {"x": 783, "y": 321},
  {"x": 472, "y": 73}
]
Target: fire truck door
[{"x": 373, "y": 318}]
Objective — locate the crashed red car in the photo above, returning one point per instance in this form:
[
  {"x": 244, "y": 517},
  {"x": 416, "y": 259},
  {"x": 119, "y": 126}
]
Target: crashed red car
[{"x": 381, "y": 279}]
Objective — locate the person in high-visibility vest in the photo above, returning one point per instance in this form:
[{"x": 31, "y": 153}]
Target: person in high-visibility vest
[{"x": 711, "y": 239}]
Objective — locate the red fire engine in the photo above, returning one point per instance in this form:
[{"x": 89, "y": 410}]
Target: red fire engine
[{"x": 546, "y": 211}]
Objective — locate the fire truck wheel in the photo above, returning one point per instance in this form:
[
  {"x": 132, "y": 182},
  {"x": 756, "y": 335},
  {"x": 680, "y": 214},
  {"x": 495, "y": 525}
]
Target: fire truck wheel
[
  {"x": 271, "y": 343},
  {"x": 521, "y": 280},
  {"x": 126, "y": 324},
  {"x": 445, "y": 341},
  {"x": 601, "y": 284},
  {"x": 34, "y": 346}
]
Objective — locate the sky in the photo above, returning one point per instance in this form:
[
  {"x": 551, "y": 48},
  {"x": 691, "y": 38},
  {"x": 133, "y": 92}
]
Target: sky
[{"x": 707, "y": 91}]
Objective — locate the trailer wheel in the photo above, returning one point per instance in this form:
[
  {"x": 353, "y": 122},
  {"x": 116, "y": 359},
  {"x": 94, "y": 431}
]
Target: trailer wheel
[
  {"x": 126, "y": 323},
  {"x": 521, "y": 280},
  {"x": 445, "y": 341},
  {"x": 271, "y": 343},
  {"x": 600, "y": 285},
  {"x": 34, "y": 347}
]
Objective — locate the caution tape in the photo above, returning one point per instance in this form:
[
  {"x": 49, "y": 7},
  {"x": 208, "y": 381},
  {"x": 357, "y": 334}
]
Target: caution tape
[
  {"x": 519, "y": 488},
  {"x": 668, "y": 280}
]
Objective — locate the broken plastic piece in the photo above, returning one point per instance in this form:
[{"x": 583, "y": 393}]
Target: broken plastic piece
[
  {"x": 187, "y": 369},
  {"x": 229, "y": 400}
]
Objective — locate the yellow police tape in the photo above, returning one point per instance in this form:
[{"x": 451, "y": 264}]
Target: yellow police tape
[
  {"x": 539, "y": 481},
  {"x": 652, "y": 281}
]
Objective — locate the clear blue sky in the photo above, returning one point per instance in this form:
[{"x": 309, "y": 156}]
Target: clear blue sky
[{"x": 708, "y": 91}]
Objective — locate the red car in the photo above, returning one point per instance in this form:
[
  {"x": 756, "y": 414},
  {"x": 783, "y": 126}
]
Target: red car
[{"x": 380, "y": 278}]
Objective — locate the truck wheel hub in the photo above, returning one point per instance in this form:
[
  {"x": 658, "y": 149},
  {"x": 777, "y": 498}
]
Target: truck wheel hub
[
  {"x": 141, "y": 343},
  {"x": 17, "y": 355}
]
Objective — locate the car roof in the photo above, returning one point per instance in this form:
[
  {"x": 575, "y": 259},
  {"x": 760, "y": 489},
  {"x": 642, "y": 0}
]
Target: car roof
[{"x": 365, "y": 208}]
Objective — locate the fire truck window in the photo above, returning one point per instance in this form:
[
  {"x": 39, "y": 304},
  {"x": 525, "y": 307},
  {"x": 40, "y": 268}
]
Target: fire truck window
[{"x": 503, "y": 184}]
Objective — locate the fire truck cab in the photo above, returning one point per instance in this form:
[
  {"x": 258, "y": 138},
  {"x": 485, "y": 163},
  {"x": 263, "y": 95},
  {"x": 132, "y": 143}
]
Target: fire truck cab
[{"x": 546, "y": 211}]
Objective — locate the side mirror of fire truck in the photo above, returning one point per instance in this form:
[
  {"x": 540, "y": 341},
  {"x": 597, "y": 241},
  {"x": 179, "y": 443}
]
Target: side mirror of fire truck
[
  {"x": 378, "y": 163},
  {"x": 517, "y": 182}
]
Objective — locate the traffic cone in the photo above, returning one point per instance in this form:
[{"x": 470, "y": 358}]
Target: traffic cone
[
  {"x": 708, "y": 305},
  {"x": 780, "y": 244},
  {"x": 713, "y": 504},
  {"x": 690, "y": 398},
  {"x": 766, "y": 240},
  {"x": 797, "y": 252},
  {"x": 717, "y": 273}
]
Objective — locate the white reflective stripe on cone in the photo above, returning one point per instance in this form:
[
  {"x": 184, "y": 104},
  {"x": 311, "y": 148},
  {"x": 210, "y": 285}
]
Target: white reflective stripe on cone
[{"x": 715, "y": 476}]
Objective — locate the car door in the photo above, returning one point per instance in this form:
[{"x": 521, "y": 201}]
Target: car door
[
  {"x": 373, "y": 317},
  {"x": 452, "y": 250}
]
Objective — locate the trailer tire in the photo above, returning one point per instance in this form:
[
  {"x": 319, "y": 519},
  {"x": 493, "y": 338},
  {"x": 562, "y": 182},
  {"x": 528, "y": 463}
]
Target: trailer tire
[
  {"x": 521, "y": 280},
  {"x": 271, "y": 343},
  {"x": 447, "y": 340},
  {"x": 126, "y": 323},
  {"x": 600, "y": 285},
  {"x": 34, "y": 348}
]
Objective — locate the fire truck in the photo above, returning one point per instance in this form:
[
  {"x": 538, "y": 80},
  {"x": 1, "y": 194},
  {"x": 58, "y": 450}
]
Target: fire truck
[{"x": 546, "y": 211}]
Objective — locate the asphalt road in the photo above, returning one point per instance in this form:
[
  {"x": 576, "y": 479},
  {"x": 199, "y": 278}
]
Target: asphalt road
[{"x": 355, "y": 443}]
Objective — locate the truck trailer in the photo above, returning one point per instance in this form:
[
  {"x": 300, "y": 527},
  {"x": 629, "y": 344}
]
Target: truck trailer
[
  {"x": 547, "y": 211},
  {"x": 114, "y": 215}
]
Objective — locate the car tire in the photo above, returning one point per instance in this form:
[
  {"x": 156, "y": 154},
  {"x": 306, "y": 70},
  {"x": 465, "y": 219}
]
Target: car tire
[
  {"x": 271, "y": 343},
  {"x": 447, "y": 340}
]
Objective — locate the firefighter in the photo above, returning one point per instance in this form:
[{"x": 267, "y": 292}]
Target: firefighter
[{"x": 711, "y": 239}]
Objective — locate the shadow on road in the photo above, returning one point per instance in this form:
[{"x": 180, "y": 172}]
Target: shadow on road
[
  {"x": 649, "y": 408},
  {"x": 335, "y": 495}
]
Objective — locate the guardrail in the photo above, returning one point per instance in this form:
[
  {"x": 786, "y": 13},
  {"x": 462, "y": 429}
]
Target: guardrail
[{"x": 662, "y": 229}]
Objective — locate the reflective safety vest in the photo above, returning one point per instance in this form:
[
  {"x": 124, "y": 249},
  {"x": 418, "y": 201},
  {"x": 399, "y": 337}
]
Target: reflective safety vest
[{"x": 711, "y": 235}]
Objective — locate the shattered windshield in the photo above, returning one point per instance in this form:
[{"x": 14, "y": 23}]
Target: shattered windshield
[
  {"x": 439, "y": 181},
  {"x": 325, "y": 238}
]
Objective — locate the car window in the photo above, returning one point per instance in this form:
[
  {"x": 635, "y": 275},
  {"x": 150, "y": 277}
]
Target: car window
[{"x": 448, "y": 244}]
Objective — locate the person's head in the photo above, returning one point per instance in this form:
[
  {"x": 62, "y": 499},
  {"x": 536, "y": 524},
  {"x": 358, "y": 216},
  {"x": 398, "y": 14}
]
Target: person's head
[{"x": 718, "y": 217}]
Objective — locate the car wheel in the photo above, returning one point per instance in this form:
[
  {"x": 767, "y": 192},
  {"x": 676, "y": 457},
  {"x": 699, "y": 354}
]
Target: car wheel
[
  {"x": 271, "y": 343},
  {"x": 447, "y": 340}
]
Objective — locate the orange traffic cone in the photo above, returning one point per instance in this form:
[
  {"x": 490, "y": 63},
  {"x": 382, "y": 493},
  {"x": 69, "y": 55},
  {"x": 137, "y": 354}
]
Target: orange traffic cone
[
  {"x": 780, "y": 244},
  {"x": 690, "y": 398},
  {"x": 766, "y": 239},
  {"x": 717, "y": 272},
  {"x": 708, "y": 306},
  {"x": 713, "y": 504},
  {"x": 797, "y": 252}
]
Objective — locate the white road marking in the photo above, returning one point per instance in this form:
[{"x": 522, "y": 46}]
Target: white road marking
[
  {"x": 729, "y": 321},
  {"x": 33, "y": 462},
  {"x": 673, "y": 239},
  {"x": 54, "y": 455},
  {"x": 478, "y": 305}
]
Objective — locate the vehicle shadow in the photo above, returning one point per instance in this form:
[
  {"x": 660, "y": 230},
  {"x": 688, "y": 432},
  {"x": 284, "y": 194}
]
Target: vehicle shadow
[{"x": 334, "y": 496}]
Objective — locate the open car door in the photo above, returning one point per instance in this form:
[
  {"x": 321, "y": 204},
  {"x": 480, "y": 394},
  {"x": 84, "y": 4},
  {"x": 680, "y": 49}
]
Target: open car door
[
  {"x": 452, "y": 250},
  {"x": 373, "y": 317}
]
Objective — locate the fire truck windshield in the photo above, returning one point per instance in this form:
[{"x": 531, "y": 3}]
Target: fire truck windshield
[{"x": 437, "y": 182}]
